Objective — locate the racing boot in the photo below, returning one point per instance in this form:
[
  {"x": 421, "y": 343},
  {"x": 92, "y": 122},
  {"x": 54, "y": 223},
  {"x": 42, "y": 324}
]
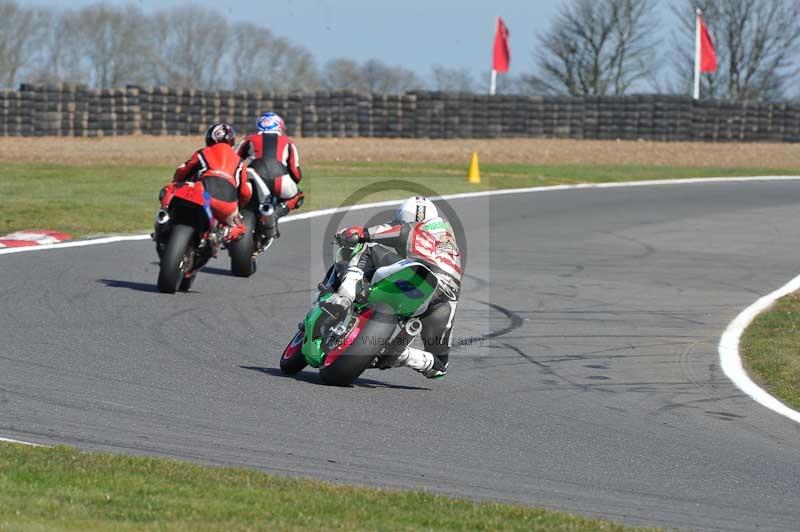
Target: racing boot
[
  {"x": 235, "y": 230},
  {"x": 422, "y": 361},
  {"x": 283, "y": 208},
  {"x": 295, "y": 202}
]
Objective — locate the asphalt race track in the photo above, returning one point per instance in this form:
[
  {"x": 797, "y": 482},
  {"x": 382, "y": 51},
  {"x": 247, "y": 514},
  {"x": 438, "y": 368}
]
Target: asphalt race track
[{"x": 587, "y": 377}]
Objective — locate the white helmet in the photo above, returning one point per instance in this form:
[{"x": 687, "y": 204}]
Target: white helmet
[{"x": 416, "y": 209}]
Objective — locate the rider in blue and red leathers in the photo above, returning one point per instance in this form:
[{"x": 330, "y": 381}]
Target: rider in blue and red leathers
[{"x": 273, "y": 155}]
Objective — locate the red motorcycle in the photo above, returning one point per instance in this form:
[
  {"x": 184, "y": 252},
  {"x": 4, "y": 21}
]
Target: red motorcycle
[{"x": 186, "y": 234}]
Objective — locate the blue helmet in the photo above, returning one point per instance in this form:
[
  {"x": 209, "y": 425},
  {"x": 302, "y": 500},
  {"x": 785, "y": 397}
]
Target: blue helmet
[{"x": 270, "y": 123}]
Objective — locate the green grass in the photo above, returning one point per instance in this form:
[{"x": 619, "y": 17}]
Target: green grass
[
  {"x": 537, "y": 174},
  {"x": 93, "y": 200},
  {"x": 64, "y": 489},
  {"x": 771, "y": 349}
]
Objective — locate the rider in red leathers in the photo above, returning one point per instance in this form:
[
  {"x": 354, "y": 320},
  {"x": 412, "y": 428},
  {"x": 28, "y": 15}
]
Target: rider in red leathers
[
  {"x": 224, "y": 176},
  {"x": 273, "y": 155}
]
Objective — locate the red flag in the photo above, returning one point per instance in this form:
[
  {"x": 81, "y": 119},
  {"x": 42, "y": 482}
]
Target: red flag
[
  {"x": 502, "y": 53},
  {"x": 708, "y": 54}
]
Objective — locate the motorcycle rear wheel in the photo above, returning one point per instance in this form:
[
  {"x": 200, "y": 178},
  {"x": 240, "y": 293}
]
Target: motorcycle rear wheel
[
  {"x": 174, "y": 260},
  {"x": 370, "y": 342},
  {"x": 243, "y": 263}
]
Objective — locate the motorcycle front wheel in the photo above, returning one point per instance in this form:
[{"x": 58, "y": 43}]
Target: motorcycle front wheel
[
  {"x": 292, "y": 359},
  {"x": 174, "y": 261}
]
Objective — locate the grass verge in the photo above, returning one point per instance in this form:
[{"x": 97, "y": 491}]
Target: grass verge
[
  {"x": 91, "y": 200},
  {"x": 64, "y": 489},
  {"x": 771, "y": 350}
]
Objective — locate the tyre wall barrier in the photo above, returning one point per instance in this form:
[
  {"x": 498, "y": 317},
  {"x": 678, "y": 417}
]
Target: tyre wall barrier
[{"x": 75, "y": 111}]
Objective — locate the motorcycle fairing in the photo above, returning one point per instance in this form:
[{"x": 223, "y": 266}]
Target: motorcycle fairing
[{"x": 406, "y": 286}]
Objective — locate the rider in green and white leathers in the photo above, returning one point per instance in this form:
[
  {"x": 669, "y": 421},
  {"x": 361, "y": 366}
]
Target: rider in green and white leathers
[{"x": 419, "y": 233}]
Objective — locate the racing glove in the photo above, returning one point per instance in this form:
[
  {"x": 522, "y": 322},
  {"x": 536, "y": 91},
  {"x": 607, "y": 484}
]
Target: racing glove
[{"x": 351, "y": 236}]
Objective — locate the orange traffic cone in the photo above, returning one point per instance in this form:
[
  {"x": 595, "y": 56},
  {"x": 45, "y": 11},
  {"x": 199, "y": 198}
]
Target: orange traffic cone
[{"x": 474, "y": 173}]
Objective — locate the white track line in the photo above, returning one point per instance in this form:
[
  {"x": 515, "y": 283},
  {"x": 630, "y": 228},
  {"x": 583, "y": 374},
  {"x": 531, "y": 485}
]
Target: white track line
[
  {"x": 74, "y": 244},
  {"x": 463, "y": 195},
  {"x": 20, "y": 442},
  {"x": 731, "y": 360},
  {"x": 729, "y": 343}
]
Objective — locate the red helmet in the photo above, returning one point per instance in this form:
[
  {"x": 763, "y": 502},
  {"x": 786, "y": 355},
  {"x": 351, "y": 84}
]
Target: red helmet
[{"x": 221, "y": 132}]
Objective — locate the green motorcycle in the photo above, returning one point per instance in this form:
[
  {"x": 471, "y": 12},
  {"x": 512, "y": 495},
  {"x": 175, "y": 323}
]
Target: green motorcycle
[{"x": 376, "y": 328}]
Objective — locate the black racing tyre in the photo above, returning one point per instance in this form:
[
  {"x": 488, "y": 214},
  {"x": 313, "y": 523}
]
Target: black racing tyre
[
  {"x": 243, "y": 264},
  {"x": 173, "y": 261},
  {"x": 292, "y": 359},
  {"x": 372, "y": 339}
]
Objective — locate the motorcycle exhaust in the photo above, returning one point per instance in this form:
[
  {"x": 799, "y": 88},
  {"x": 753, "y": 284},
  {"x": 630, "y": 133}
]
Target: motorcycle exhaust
[
  {"x": 268, "y": 219},
  {"x": 162, "y": 217},
  {"x": 400, "y": 341},
  {"x": 413, "y": 327}
]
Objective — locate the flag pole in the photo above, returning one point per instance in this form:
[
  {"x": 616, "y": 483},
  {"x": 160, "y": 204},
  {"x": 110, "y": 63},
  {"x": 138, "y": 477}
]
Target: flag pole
[
  {"x": 493, "y": 82},
  {"x": 696, "y": 93}
]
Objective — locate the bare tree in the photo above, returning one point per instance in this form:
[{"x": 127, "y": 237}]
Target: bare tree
[
  {"x": 452, "y": 79},
  {"x": 61, "y": 50},
  {"x": 114, "y": 43},
  {"x": 371, "y": 76},
  {"x": 20, "y": 31},
  {"x": 342, "y": 74},
  {"x": 261, "y": 61},
  {"x": 757, "y": 43},
  {"x": 523, "y": 84},
  {"x": 188, "y": 50},
  {"x": 597, "y": 47},
  {"x": 379, "y": 77}
]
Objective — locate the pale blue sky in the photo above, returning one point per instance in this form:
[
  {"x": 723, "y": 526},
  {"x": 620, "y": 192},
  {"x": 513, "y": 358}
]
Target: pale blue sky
[{"x": 414, "y": 33}]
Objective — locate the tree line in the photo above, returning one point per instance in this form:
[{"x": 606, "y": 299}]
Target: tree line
[
  {"x": 591, "y": 47},
  {"x": 608, "y": 47},
  {"x": 107, "y": 46}
]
